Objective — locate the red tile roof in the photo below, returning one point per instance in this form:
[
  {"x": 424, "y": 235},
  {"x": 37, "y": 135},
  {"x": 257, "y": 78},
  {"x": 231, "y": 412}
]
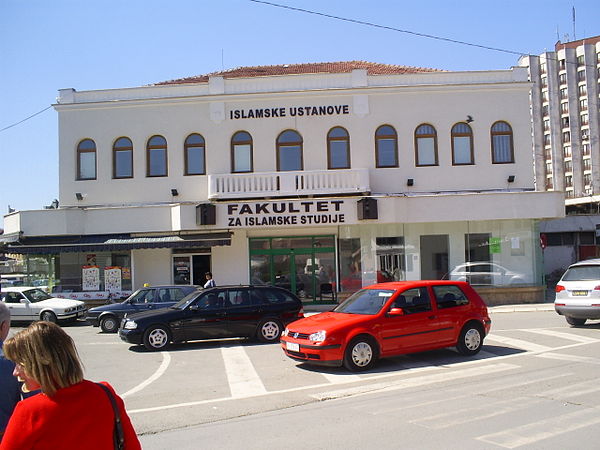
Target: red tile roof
[
  {"x": 574, "y": 44},
  {"x": 296, "y": 69}
]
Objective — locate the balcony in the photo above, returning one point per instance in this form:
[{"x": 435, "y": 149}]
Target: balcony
[{"x": 288, "y": 184}]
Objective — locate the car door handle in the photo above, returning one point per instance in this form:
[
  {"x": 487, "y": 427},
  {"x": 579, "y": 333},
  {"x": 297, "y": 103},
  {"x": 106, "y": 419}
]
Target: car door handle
[{"x": 431, "y": 317}]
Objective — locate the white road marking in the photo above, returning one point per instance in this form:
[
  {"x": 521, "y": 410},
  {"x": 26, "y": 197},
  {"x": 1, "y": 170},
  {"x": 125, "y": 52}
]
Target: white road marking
[
  {"x": 241, "y": 374},
  {"x": 456, "y": 399},
  {"x": 563, "y": 357},
  {"x": 339, "y": 378},
  {"x": 543, "y": 429},
  {"x": 563, "y": 335},
  {"x": 524, "y": 345},
  {"x": 572, "y": 390},
  {"x": 155, "y": 376},
  {"x": 415, "y": 382},
  {"x": 459, "y": 416}
]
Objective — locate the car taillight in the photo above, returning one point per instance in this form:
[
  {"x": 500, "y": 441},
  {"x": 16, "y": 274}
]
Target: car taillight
[
  {"x": 559, "y": 288},
  {"x": 301, "y": 313},
  {"x": 597, "y": 288}
]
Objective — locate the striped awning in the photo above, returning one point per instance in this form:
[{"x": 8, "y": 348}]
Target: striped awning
[{"x": 110, "y": 242}]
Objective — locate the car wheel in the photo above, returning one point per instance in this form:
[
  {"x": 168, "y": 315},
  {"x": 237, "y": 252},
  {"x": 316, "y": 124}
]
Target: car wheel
[
  {"x": 575, "y": 322},
  {"x": 156, "y": 337},
  {"x": 269, "y": 330},
  {"x": 470, "y": 340},
  {"x": 109, "y": 324},
  {"x": 48, "y": 316},
  {"x": 361, "y": 354}
]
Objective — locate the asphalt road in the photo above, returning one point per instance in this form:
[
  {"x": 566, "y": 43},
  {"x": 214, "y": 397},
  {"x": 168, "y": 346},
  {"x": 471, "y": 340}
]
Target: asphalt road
[{"x": 534, "y": 385}]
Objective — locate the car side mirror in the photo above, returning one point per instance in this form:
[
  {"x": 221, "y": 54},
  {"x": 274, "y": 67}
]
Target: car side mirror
[
  {"x": 395, "y": 312},
  {"x": 24, "y": 300}
]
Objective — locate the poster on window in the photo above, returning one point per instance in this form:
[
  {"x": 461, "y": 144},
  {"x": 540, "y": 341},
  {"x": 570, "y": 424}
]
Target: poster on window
[
  {"x": 90, "y": 278},
  {"x": 112, "y": 279}
]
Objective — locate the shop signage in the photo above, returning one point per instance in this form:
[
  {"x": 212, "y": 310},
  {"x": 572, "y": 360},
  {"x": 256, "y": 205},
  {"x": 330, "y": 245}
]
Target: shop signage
[
  {"x": 290, "y": 111},
  {"x": 286, "y": 213}
]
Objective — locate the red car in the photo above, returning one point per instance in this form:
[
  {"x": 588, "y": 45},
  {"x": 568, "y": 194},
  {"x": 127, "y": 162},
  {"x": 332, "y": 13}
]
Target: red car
[{"x": 389, "y": 319}]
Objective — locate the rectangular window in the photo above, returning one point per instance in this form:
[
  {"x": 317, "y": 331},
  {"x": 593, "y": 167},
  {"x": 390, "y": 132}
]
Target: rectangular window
[
  {"x": 157, "y": 164},
  {"x": 581, "y": 75},
  {"x": 502, "y": 149},
  {"x": 386, "y": 155},
  {"x": 567, "y": 151},
  {"x": 339, "y": 154},
  {"x": 562, "y": 78},
  {"x": 290, "y": 157},
  {"x": 87, "y": 165},
  {"x": 241, "y": 156},
  {"x": 195, "y": 161},
  {"x": 564, "y": 108},
  {"x": 462, "y": 150},
  {"x": 426, "y": 151},
  {"x": 123, "y": 164},
  {"x": 563, "y": 93}
]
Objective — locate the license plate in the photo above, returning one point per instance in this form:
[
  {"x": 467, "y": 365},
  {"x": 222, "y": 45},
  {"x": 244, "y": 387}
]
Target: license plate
[
  {"x": 291, "y": 346},
  {"x": 579, "y": 293}
]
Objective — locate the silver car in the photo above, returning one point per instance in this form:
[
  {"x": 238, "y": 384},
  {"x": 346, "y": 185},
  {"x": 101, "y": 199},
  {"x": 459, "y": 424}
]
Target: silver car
[{"x": 578, "y": 292}]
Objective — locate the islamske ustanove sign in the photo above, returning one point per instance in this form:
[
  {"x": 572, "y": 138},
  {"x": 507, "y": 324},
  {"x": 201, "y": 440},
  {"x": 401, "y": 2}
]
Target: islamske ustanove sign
[{"x": 289, "y": 111}]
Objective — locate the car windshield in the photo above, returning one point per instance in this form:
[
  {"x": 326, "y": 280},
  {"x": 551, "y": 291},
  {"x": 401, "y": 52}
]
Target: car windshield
[
  {"x": 36, "y": 295},
  {"x": 365, "y": 301},
  {"x": 185, "y": 301},
  {"x": 141, "y": 296},
  {"x": 582, "y": 273}
]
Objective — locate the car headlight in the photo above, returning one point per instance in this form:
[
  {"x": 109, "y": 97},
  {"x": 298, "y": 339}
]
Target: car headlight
[
  {"x": 68, "y": 310},
  {"x": 319, "y": 336},
  {"x": 130, "y": 325}
]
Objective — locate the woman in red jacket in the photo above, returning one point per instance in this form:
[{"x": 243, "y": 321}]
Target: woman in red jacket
[{"x": 70, "y": 413}]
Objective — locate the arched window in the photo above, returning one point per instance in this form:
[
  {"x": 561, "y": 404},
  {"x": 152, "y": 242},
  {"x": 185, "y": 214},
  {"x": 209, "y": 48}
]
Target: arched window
[
  {"x": 426, "y": 146},
  {"x": 386, "y": 146},
  {"x": 156, "y": 157},
  {"x": 462, "y": 144},
  {"x": 123, "y": 158},
  {"x": 338, "y": 149},
  {"x": 194, "y": 155},
  {"x": 289, "y": 151},
  {"x": 241, "y": 152},
  {"x": 86, "y": 160},
  {"x": 502, "y": 143}
]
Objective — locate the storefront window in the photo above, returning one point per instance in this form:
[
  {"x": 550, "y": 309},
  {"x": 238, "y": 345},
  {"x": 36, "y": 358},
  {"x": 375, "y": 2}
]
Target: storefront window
[
  {"x": 99, "y": 271},
  {"x": 302, "y": 264}
]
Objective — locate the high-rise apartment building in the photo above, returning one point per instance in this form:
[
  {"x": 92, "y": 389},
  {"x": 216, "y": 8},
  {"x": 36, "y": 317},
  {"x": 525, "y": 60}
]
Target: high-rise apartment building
[{"x": 565, "y": 110}]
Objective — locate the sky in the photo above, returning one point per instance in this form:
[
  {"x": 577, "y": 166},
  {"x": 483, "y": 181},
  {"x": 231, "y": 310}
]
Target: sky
[{"x": 103, "y": 44}]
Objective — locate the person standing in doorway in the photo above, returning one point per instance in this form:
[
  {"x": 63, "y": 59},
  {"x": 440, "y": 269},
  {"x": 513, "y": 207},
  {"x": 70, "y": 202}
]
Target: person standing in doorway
[
  {"x": 10, "y": 392},
  {"x": 209, "y": 281}
]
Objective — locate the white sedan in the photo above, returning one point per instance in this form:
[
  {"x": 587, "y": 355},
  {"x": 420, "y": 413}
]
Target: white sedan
[{"x": 30, "y": 303}]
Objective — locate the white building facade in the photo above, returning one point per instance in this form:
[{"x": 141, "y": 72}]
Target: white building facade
[{"x": 318, "y": 177}]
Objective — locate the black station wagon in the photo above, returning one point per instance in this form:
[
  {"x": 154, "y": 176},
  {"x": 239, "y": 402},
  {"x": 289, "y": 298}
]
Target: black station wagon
[{"x": 226, "y": 311}]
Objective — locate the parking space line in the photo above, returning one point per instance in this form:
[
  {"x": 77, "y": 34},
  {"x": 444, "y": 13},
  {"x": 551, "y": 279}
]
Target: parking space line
[
  {"x": 562, "y": 335},
  {"x": 442, "y": 376},
  {"x": 573, "y": 358},
  {"x": 155, "y": 376},
  {"x": 338, "y": 378},
  {"x": 241, "y": 374},
  {"x": 519, "y": 343}
]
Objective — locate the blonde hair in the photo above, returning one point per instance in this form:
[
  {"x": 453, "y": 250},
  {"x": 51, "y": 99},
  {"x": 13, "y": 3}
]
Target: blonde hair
[{"x": 47, "y": 354}]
